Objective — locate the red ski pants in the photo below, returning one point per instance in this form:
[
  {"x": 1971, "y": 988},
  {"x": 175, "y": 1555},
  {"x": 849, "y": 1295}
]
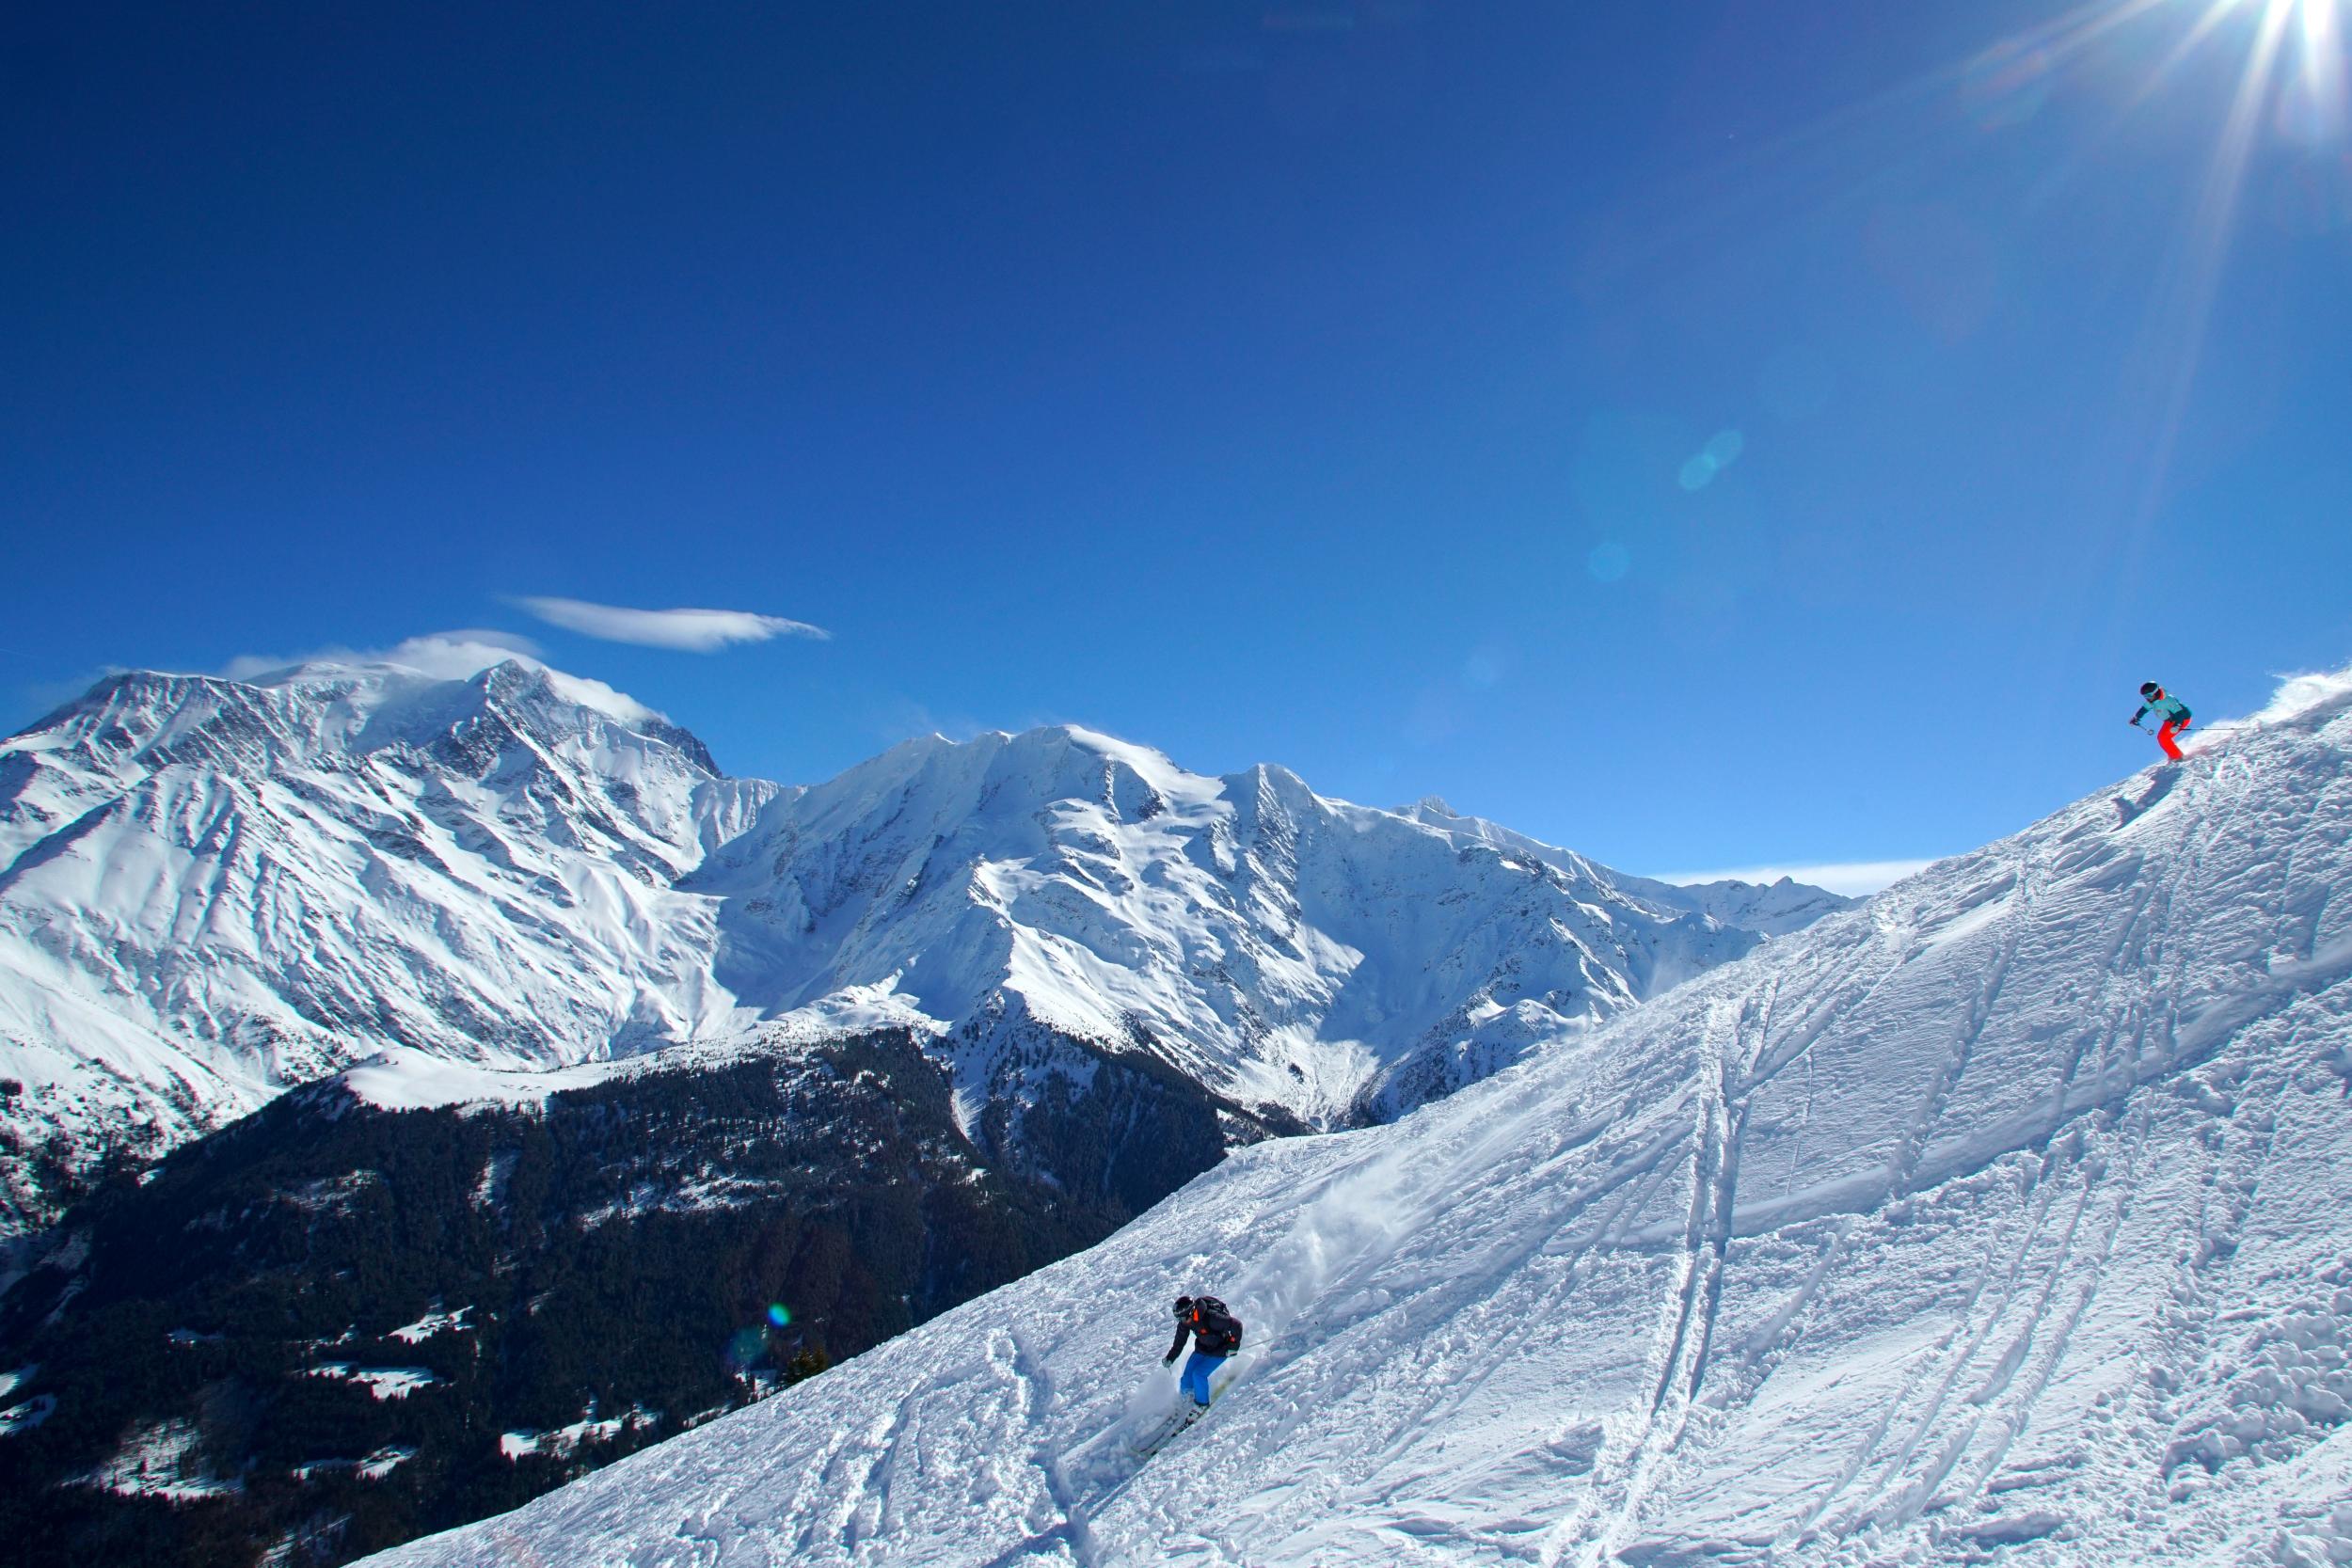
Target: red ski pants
[{"x": 2164, "y": 737}]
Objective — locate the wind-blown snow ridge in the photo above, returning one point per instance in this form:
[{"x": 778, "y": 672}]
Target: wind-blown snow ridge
[{"x": 2007, "y": 1217}]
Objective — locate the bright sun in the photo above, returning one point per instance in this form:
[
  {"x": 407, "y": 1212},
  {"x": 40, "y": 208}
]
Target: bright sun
[{"x": 2290, "y": 86}]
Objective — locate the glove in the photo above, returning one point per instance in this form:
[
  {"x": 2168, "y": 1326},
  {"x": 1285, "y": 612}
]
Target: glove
[{"x": 1167, "y": 1361}]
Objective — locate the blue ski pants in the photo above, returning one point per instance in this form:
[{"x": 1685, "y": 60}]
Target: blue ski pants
[{"x": 1197, "y": 1374}]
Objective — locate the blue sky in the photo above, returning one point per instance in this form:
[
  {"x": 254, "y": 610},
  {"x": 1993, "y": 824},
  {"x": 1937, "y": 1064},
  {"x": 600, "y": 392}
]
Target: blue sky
[{"x": 1705, "y": 434}]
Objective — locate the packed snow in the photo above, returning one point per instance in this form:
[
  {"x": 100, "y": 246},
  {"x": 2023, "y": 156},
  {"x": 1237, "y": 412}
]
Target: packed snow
[{"x": 2007, "y": 1217}]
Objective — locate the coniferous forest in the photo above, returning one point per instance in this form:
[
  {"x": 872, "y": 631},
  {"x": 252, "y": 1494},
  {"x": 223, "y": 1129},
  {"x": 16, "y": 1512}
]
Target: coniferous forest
[{"x": 332, "y": 1327}]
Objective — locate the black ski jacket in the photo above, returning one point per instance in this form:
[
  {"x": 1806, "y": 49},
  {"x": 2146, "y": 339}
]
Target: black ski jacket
[{"x": 1214, "y": 1331}]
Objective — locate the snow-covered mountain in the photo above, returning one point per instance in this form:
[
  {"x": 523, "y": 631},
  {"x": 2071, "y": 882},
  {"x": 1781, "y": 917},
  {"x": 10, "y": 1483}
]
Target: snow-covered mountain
[
  {"x": 1771, "y": 908},
  {"x": 2007, "y": 1217},
  {"x": 212, "y": 889},
  {"x": 1281, "y": 948}
]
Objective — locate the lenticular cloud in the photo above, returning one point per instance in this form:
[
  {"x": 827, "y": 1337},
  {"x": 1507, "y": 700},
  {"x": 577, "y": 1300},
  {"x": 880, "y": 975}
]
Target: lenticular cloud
[{"x": 700, "y": 631}]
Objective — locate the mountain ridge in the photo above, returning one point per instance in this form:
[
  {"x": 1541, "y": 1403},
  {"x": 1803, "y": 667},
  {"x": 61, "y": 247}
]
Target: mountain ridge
[{"x": 212, "y": 888}]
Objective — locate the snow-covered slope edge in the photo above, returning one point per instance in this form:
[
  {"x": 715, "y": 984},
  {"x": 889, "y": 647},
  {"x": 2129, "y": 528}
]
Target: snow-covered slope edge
[{"x": 2009, "y": 1212}]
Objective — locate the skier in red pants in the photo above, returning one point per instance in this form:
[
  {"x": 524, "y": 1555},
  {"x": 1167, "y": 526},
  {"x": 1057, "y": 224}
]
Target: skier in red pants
[{"x": 2153, "y": 699}]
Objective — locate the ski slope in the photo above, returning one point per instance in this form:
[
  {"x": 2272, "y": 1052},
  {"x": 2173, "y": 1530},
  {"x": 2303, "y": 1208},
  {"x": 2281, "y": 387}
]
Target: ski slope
[{"x": 2007, "y": 1217}]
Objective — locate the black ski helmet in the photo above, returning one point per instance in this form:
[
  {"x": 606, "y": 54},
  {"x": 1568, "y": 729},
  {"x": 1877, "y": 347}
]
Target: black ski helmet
[
  {"x": 1184, "y": 1305},
  {"x": 2149, "y": 688}
]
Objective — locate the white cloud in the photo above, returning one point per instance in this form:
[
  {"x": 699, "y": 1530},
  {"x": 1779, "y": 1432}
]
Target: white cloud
[
  {"x": 1851, "y": 877},
  {"x": 452, "y": 656},
  {"x": 700, "y": 631},
  {"x": 45, "y": 695}
]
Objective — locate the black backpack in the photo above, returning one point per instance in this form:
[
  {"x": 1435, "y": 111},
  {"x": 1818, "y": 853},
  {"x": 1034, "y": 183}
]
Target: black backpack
[{"x": 1215, "y": 1329}]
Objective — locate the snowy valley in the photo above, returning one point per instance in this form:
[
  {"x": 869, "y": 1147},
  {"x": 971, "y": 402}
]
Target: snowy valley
[{"x": 2007, "y": 1217}]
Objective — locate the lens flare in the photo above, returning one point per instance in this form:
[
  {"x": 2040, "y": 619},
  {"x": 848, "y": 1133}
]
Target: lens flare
[
  {"x": 746, "y": 1348},
  {"x": 1722, "y": 451},
  {"x": 780, "y": 1315}
]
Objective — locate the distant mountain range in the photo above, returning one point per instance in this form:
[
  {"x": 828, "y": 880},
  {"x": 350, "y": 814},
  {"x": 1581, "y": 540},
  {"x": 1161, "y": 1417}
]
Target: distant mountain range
[{"x": 211, "y": 890}]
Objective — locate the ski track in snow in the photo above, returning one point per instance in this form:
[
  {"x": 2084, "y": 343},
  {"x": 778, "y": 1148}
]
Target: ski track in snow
[{"x": 2005, "y": 1219}]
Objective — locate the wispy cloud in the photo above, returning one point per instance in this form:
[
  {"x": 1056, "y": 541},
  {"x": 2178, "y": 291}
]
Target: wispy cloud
[
  {"x": 452, "y": 656},
  {"x": 1851, "y": 877},
  {"x": 699, "y": 631}
]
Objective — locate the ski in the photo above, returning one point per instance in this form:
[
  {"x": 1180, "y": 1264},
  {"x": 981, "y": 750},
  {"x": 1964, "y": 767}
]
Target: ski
[{"x": 1165, "y": 1433}]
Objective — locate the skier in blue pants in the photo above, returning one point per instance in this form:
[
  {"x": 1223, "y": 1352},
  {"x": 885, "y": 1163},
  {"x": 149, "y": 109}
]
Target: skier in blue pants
[{"x": 1215, "y": 1334}]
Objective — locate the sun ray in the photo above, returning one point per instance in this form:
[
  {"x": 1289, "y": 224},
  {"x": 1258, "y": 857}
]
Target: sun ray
[
  {"x": 2322, "y": 66},
  {"x": 2206, "y": 248}
]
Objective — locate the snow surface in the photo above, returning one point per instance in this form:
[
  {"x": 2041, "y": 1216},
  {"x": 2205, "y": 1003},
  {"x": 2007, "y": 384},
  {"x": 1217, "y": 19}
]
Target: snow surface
[
  {"x": 404, "y": 1080},
  {"x": 2007, "y": 1217},
  {"x": 563, "y": 1440},
  {"x": 376, "y": 1466},
  {"x": 487, "y": 888},
  {"x": 382, "y": 1383},
  {"x": 26, "y": 1417},
  {"x": 160, "y": 1460},
  {"x": 435, "y": 1321}
]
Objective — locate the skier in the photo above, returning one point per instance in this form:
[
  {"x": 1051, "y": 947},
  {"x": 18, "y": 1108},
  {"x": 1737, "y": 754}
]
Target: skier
[
  {"x": 2152, "y": 697},
  {"x": 1216, "y": 1335}
]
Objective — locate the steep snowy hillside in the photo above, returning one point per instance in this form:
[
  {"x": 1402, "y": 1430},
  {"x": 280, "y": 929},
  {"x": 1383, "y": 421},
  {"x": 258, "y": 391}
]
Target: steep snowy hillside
[
  {"x": 211, "y": 888},
  {"x": 2008, "y": 1217}
]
